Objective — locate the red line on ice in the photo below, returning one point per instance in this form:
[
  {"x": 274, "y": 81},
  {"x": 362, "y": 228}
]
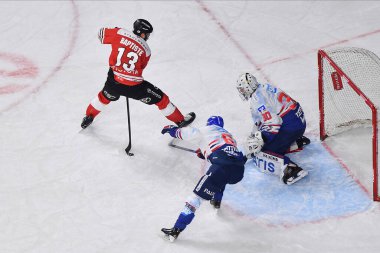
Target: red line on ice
[
  {"x": 339, "y": 42},
  {"x": 259, "y": 66},
  {"x": 345, "y": 167},
  {"x": 11, "y": 88},
  {"x": 25, "y": 67},
  {"x": 232, "y": 39},
  {"x": 73, "y": 39}
]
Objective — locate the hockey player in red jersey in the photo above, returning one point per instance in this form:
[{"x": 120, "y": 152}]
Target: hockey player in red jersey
[{"x": 129, "y": 57}]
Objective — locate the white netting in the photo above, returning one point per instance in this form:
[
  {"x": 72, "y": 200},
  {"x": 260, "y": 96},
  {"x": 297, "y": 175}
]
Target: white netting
[{"x": 343, "y": 108}]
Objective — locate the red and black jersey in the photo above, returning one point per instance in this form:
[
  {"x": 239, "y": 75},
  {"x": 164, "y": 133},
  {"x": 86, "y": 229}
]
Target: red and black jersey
[{"x": 130, "y": 54}]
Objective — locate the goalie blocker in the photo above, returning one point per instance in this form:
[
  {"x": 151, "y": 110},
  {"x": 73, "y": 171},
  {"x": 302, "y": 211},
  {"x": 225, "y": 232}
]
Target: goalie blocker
[{"x": 277, "y": 165}]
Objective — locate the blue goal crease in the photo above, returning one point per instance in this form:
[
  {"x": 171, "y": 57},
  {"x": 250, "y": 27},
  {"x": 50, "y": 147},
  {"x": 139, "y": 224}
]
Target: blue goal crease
[{"x": 327, "y": 192}]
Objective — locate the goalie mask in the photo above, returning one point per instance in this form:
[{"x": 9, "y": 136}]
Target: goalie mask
[{"x": 246, "y": 85}]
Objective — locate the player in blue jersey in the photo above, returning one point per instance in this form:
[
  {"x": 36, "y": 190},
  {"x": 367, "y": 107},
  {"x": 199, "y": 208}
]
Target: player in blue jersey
[
  {"x": 227, "y": 167},
  {"x": 279, "y": 123}
]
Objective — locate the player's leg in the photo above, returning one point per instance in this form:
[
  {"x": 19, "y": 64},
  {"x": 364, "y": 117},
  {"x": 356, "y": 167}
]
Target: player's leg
[
  {"x": 290, "y": 172},
  {"x": 292, "y": 128},
  {"x": 186, "y": 216},
  {"x": 231, "y": 173},
  {"x": 216, "y": 201},
  {"x": 296, "y": 120},
  {"x": 283, "y": 141},
  {"x": 212, "y": 182},
  {"x": 154, "y": 95},
  {"x": 104, "y": 97}
]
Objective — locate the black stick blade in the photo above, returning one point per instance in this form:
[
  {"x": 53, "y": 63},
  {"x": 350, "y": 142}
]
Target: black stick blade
[{"x": 129, "y": 149}]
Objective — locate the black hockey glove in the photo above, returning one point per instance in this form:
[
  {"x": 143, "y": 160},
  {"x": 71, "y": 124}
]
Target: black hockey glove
[{"x": 199, "y": 153}]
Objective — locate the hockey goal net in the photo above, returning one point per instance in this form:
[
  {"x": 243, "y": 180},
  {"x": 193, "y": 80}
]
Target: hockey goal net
[{"x": 349, "y": 98}]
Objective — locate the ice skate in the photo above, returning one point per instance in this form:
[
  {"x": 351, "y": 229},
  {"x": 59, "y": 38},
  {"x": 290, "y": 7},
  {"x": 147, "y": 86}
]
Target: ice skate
[
  {"x": 171, "y": 233},
  {"x": 303, "y": 141},
  {"x": 215, "y": 203},
  {"x": 189, "y": 118},
  {"x": 87, "y": 120},
  {"x": 292, "y": 173}
]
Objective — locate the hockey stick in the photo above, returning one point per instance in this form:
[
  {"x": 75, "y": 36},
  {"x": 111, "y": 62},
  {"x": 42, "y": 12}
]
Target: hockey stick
[
  {"x": 128, "y": 148},
  {"x": 171, "y": 144}
]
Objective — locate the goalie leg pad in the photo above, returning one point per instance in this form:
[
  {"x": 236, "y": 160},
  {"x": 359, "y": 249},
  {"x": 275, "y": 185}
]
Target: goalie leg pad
[
  {"x": 282, "y": 166},
  {"x": 270, "y": 163}
]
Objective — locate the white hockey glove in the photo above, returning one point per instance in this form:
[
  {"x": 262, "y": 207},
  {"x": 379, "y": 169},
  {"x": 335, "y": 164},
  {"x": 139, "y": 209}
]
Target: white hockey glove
[{"x": 254, "y": 144}]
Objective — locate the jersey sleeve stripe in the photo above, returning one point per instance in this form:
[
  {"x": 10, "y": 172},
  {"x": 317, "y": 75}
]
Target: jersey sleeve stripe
[
  {"x": 213, "y": 142},
  {"x": 213, "y": 149}
]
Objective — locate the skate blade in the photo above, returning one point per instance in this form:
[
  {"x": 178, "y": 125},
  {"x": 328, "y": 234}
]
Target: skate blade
[
  {"x": 301, "y": 175},
  {"x": 215, "y": 208},
  {"x": 169, "y": 238},
  {"x": 81, "y": 130}
]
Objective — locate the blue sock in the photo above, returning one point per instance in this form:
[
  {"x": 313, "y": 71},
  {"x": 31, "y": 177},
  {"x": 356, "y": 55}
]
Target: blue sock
[{"x": 184, "y": 220}]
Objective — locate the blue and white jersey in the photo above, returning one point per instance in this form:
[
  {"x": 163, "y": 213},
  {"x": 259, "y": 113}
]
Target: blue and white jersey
[
  {"x": 212, "y": 139},
  {"x": 269, "y": 106}
]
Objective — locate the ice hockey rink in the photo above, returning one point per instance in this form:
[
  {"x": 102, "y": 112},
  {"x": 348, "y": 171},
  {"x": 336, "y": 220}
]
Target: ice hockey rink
[{"x": 66, "y": 190}]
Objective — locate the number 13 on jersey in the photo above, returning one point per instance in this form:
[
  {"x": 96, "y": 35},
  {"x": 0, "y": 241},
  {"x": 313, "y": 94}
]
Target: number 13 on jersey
[{"x": 132, "y": 58}]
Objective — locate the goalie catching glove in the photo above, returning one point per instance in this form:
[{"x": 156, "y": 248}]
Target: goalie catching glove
[{"x": 254, "y": 144}]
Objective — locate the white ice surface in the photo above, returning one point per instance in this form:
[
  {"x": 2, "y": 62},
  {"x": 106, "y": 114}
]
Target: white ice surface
[{"x": 64, "y": 191}]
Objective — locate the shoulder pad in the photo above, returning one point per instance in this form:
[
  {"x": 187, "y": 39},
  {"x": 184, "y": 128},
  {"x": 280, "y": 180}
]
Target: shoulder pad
[{"x": 141, "y": 41}]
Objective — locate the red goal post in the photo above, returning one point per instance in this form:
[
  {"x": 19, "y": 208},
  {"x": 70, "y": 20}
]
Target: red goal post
[{"x": 349, "y": 97}]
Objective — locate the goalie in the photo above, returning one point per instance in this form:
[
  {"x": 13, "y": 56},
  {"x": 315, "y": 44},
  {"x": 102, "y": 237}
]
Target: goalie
[{"x": 279, "y": 125}]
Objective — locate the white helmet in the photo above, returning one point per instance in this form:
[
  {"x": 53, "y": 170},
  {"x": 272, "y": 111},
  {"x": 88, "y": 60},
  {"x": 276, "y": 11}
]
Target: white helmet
[{"x": 246, "y": 85}]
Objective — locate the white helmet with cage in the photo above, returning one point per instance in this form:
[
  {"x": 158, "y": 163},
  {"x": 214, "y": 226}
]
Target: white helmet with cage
[{"x": 246, "y": 85}]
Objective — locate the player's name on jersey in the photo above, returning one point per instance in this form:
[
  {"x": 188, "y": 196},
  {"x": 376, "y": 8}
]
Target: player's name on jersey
[{"x": 132, "y": 46}]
